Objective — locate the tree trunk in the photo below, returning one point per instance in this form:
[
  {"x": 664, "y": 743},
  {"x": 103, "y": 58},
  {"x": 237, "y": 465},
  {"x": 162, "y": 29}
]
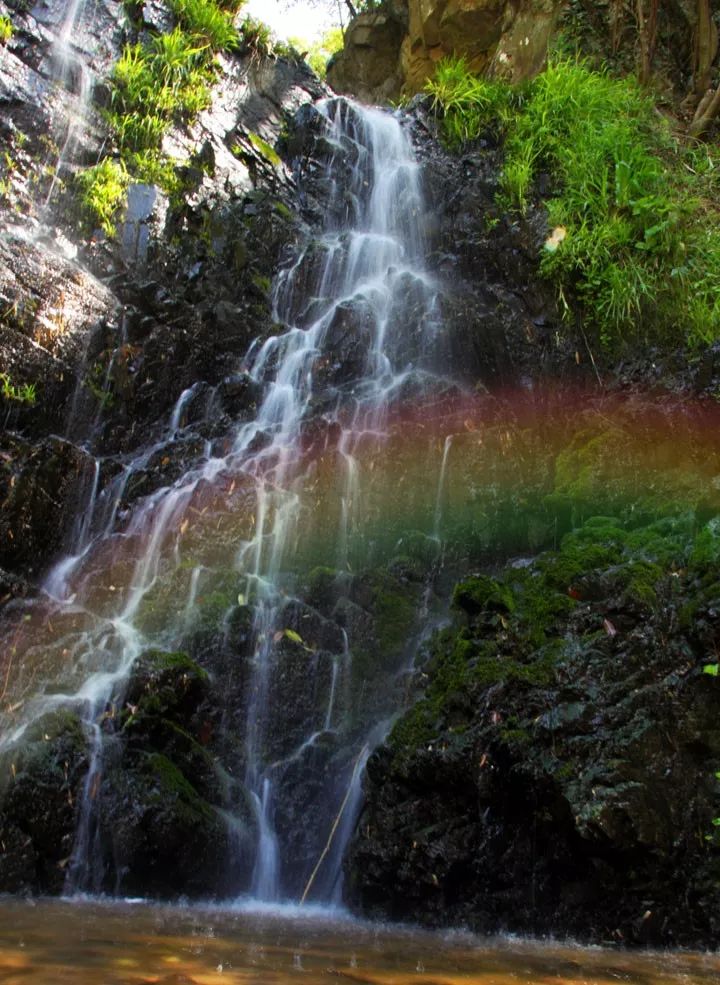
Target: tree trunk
[{"x": 705, "y": 47}]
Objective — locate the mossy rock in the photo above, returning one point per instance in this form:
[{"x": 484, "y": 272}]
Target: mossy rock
[
  {"x": 167, "y": 839},
  {"x": 164, "y": 685},
  {"x": 42, "y": 779},
  {"x": 481, "y": 593}
]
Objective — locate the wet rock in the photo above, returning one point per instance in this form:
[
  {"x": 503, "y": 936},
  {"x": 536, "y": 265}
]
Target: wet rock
[
  {"x": 41, "y": 779},
  {"x": 13, "y": 587},
  {"x": 50, "y": 309},
  {"x": 560, "y": 762},
  {"x": 172, "y": 821},
  {"x": 167, "y": 464},
  {"x": 346, "y": 344},
  {"x": 239, "y": 396},
  {"x": 41, "y": 491}
]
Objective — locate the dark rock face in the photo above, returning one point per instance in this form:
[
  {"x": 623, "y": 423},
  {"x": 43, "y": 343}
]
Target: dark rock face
[
  {"x": 170, "y": 819},
  {"x": 41, "y": 488},
  {"x": 40, "y": 789},
  {"x": 557, "y": 777}
]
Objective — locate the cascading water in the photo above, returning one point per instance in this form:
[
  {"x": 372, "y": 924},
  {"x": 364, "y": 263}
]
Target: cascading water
[
  {"x": 361, "y": 337},
  {"x": 71, "y": 74}
]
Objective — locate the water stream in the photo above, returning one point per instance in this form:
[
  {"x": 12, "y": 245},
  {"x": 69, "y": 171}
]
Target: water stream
[
  {"x": 359, "y": 339},
  {"x": 68, "y": 69}
]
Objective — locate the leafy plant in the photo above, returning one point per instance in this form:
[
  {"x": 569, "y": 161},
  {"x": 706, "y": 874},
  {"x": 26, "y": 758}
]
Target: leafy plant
[
  {"x": 103, "y": 192},
  {"x": 6, "y": 29},
  {"x": 257, "y": 38},
  {"x": 470, "y": 105},
  {"x": 23, "y": 393},
  {"x": 206, "y": 23}
]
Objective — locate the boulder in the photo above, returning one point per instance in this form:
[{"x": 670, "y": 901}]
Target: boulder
[
  {"x": 395, "y": 49},
  {"x": 41, "y": 782}
]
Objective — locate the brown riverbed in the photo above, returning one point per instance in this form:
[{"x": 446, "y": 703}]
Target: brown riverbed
[{"x": 91, "y": 943}]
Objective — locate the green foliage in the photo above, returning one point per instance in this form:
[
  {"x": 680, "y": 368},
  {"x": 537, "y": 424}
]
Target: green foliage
[
  {"x": 6, "y": 29},
  {"x": 319, "y": 53},
  {"x": 153, "y": 168},
  {"x": 257, "y": 38},
  {"x": 470, "y": 105},
  {"x": 631, "y": 239},
  {"x": 103, "y": 190},
  {"x": 22, "y": 393},
  {"x": 156, "y": 84},
  {"x": 207, "y": 23}
]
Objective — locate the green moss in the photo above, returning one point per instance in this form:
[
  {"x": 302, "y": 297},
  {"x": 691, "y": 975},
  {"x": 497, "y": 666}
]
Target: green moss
[
  {"x": 706, "y": 546},
  {"x": 172, "y": 790},
  {"x": 567, "y": 771},
  {"x": 282, "y": 210},
  {"x": 264, "y": 149},
  {"x": 46, "y": 747},
  {"x": 641, "y": 579},
  {"x": 517, "y": 737},
  {"x": 415, "y": 729},
  {"x": 480, "y": 593}
]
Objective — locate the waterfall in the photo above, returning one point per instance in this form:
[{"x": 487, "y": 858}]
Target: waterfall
[
  {"x": 360, "y": 336},
  {"x": 69, "y": 71}
]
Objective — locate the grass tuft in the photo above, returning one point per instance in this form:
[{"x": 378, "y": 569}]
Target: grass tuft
[
  {"x": 634, "y": 243},
  {"x": 103, "y": 189}
]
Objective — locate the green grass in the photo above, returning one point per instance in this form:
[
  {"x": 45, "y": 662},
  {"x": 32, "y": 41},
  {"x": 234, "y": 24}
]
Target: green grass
[
  {"x": 634, "y": 244},
  {"x": 207, "y": 23},
  {"x": 156, "y": 83},
  {"x": 6, "y": 29},
  {"x": 22, "y": 393},
  {"x": 103, "y": 190},
  {"x": 469, "y": 105}
]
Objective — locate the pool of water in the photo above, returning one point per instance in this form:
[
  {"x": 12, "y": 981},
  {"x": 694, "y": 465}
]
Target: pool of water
[{"x": 52, "y": 942}]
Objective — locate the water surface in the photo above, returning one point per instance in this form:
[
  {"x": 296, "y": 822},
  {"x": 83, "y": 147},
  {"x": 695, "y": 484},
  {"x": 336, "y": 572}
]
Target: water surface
[{"x": 91, "y": 943}]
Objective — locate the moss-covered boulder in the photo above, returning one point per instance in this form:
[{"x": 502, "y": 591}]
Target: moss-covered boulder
[{"x": 172, "y": 818}]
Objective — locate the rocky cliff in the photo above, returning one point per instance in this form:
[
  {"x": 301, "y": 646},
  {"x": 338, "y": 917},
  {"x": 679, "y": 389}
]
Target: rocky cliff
[
  {"x": 554, "y": 768},
  {"x": 135, "y": 343},
  {"x": 394, "y": 50}
]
